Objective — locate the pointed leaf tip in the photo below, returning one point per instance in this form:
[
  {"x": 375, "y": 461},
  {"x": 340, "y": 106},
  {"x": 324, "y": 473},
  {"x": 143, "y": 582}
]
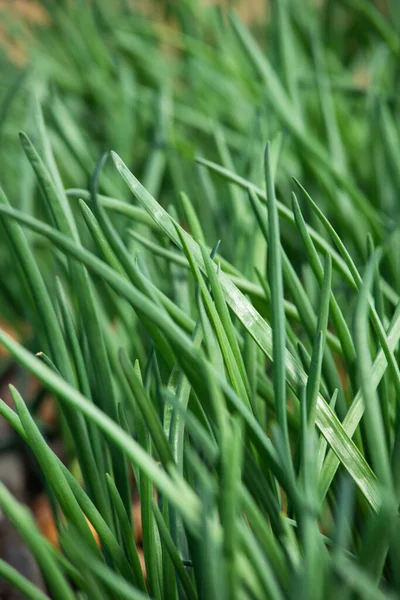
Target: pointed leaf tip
[{"x": 116, "y": 158}]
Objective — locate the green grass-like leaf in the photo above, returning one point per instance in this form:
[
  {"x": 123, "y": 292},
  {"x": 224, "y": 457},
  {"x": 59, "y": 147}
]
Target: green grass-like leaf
[{"x": 230, "y": 347}]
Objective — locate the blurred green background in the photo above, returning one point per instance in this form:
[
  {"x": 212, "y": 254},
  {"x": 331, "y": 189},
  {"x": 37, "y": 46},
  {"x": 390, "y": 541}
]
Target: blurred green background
[{"x": 164, "y": 83}]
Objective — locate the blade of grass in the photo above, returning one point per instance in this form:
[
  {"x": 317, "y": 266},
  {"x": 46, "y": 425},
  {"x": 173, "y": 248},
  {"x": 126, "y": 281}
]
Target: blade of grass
[
  {"x": 57, "y": 345},
  {"x": 287, "y": 214},
  {"x": 178, "y": 493},
  {"x": 314, "y": 151},
  {"x": 52, "y": 473},
  {"x": 168, "y": 543},
  {"x": 314, "y": 374},
  {"x": 372, "y": 412},
  {"x": 20, "y": 583},
  {"x": 326, "y": 421},
  {"x": 127, "y": 535},
  {"x": 278, "y": 315},
  {"x": 23, "y": 521}
]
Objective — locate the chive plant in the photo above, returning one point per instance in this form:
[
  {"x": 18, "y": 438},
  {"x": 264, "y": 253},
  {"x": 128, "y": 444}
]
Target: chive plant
[{"x": 214, "y": 314}]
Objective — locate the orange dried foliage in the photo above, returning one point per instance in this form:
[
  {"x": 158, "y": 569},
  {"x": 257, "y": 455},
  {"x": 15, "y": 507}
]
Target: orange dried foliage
[
  {"x": 137, "y": 520},
  {"x": 21, "y": 15},
  {"x": 250, "y": 11},
  {"x": 45, "y": 521},
  {"x": 33, "y": 12},
  {"x": 12, "y": 332},
  {"x": 48, "y": 411}
]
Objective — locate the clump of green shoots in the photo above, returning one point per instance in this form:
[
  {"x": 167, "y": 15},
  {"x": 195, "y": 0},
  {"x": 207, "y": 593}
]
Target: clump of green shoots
[{"x": 226, "y": 328}]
